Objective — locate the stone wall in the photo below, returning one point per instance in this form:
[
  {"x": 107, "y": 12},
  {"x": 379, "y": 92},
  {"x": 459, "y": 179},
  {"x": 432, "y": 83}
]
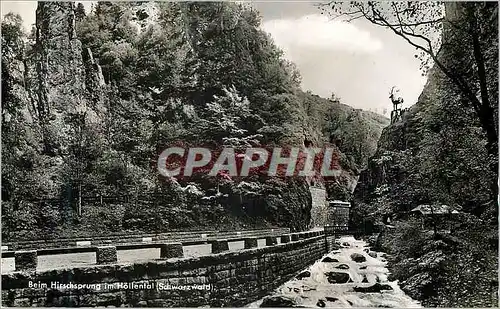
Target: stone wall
[
  {"x": 234, "y": 279},
  {"x": 330, "y": 243},
  {"x": 319, "y": 207}
]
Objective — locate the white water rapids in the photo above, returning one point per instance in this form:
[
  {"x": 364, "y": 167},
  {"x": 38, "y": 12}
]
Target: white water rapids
[{"x": 317, "y": 291}]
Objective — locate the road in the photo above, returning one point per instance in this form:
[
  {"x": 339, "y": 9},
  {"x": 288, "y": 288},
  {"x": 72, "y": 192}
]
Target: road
[{"x": 48, "y": 262}]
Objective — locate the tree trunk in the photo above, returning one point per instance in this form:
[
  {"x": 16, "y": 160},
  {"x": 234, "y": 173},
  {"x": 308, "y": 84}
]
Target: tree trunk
[
  {"x": 79, "y": 210},
  {"x": 486, "y": 113}
]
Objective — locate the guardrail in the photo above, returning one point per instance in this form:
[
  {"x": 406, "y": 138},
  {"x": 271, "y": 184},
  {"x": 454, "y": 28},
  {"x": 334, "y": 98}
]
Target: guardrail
[
  {"x": 127, "y": 238},
  {"x": 27, "y": 260}
]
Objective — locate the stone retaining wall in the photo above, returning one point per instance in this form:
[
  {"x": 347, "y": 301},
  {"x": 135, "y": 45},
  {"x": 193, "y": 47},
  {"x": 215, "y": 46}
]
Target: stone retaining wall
[
  {"x": 330, "y": 243},
  {"x": 235, "y": 279}
]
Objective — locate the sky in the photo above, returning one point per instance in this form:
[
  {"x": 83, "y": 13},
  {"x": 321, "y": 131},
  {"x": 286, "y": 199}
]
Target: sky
[{"x": 358, "y": 62}]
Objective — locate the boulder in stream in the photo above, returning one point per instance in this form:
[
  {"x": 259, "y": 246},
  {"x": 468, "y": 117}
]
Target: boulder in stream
[
  {"x": 358, "y": 258},
  {"x": 321, "y": 303},
  {"x": 278, "y": 302},
  {"x": 337, "y": 277},
  {"x": 329, "y": 260},
  {"x": 372, "y": 254},
  {"x": 376, "y": 288},
  {"x": 343, "y": 266},
  {"x": 304, "y": 274},
  {"x": 335, "y": 246}
]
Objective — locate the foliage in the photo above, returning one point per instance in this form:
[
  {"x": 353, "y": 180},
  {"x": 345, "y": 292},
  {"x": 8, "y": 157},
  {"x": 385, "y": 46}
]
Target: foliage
[
  {"x": 225, "y": 119},
  {"x": 457, "y": 269},
  {"x": 200, "y": 73}
]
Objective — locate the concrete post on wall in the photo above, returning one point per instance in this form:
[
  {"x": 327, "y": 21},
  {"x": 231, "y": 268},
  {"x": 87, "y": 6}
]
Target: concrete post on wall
[
  {"x": 25, "y": 260},
  {"x": 250, "y": 242},
  {"x": 219, "y": 246},
  {"x": 271, "y": 241},
  {"x": 172, "y": 250},
  {"x": 285, "y": 239},
  {"x": 319, "y": 207},
  {"x": 106, "y": 255}
]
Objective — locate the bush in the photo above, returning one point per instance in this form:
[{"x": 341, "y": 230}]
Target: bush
[
  {"x": 444, "y": 270},
  {"x": 408, "y": 239}
]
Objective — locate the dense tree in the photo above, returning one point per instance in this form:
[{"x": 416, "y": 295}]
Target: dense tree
[{"x": 79, "y": 12}]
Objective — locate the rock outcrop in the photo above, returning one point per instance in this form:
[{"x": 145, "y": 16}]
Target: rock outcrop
[
  {"x": 60, "y": 71},
  {"x": 52, "y": 75}
]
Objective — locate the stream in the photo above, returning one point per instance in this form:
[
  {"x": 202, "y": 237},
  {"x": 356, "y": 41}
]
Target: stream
[{"x": 352, "y": 276}]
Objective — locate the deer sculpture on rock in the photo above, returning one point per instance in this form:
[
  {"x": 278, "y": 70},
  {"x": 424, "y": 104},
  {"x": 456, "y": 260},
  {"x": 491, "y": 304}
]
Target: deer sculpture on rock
[{"x": 396, "y": 112}]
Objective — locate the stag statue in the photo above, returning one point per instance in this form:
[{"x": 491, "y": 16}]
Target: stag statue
[{"x": 396, "y": 111}]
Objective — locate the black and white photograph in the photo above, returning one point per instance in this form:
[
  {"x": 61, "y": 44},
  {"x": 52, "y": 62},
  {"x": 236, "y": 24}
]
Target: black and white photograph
[{"x": 313, "y": 154}]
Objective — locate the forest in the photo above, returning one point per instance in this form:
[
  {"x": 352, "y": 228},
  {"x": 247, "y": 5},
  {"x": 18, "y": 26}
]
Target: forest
[{"x": 90, "y": 99}]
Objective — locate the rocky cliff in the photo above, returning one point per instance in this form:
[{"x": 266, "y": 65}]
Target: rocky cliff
[
  {"x": 58, "y": 61},
  {"x": 438, "y": 154}
]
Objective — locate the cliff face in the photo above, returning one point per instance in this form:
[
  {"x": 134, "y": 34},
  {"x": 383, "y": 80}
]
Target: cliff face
[
  {"x": 353, "y": 132},
  {"x": 58, "y": 60},
  {"x": 397, "y": 142},
  {"x": 51, "y": 74},
  {"x": 438, "y": 154}
]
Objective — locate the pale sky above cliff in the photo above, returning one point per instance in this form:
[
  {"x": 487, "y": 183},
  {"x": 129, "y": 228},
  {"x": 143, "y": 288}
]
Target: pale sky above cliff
[{"x": 358, "y": 62}]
